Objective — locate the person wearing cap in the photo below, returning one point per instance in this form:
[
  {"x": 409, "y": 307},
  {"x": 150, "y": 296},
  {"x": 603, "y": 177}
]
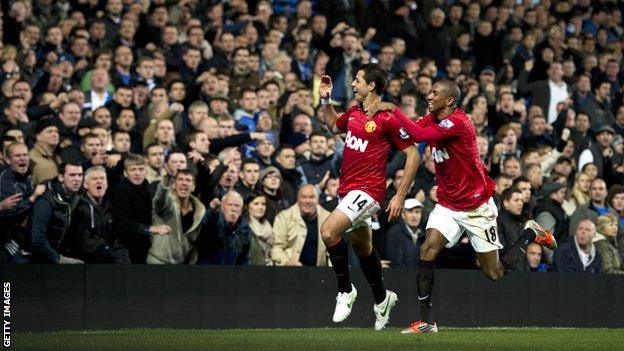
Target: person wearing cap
[
  {"x": 269, "y": 184},
  {"x": 218, "y": 104},
  {"x": 564, "y": 166},
  {"x": 600, "y": 150},
  {"x": 404, "y": 238},
  {"x": 43, "y": 157},
  {"x": 549, "y": 213}
]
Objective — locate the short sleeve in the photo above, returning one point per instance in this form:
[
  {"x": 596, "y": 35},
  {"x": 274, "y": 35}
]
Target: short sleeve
[
  {"x": 343, "y": 120},
  {"x": 397, "y": 135}
]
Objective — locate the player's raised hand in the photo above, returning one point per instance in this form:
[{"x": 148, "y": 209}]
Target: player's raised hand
[
  {"x": 379, "y": 106},
  {"x": 395, "y": 207},
  {"x": 325, "y": 88}
]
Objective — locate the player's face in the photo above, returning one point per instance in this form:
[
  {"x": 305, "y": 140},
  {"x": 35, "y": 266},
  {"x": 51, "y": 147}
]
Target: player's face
[
  {"x": 360, "y": 87},
  {"x": 437, "y": 99}
]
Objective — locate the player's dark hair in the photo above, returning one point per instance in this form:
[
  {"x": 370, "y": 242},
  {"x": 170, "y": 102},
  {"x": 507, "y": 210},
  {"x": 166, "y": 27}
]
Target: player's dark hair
[
  {"x": 451, "y": 89},
  {"x": 374, "y": 72}
]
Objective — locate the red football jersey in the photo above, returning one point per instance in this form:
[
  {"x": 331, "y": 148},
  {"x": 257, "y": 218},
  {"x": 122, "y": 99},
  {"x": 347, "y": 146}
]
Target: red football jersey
[
  {"x": 366, "y": 150},
  {"x": 461, "y": 176}
]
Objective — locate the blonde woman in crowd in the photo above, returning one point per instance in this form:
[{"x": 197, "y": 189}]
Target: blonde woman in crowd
[
  {"x": 580, "y": 190},
  {"x": 605, "y": 239}
]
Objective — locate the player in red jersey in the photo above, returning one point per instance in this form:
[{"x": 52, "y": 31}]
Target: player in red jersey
[
  {"x": 464, "y": 196},
  {"x": 363, "y": 186}
]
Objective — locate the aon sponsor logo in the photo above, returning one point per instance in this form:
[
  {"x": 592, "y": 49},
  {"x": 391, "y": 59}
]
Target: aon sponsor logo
[
  {"x": 439, "y": 155},
  {"x": 355, "y": 143}
]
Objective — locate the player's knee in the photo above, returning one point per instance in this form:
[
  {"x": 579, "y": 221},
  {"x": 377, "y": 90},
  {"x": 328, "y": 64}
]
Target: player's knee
[
  {"x": 328, "y": 236},
  {"x": 427, "y": 251}
]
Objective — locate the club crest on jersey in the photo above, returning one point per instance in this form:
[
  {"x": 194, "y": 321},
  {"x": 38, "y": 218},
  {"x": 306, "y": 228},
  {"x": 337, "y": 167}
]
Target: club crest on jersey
[
  {"x": 403, "y": 134},
  {"x": 446, "y": 124},
  {"x": 355, "y": 143},
  {"x": 370, "y": 126}
]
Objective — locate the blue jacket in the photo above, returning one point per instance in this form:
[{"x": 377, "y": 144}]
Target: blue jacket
[
  {"x": 567, "y": 259},
  {"x": 400, "y": 248},
  {"x": 222, "y": 244}
]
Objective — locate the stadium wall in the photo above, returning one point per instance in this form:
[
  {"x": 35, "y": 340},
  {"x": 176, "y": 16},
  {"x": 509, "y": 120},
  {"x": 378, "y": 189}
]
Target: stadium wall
[{"x": 76, "y": 297}]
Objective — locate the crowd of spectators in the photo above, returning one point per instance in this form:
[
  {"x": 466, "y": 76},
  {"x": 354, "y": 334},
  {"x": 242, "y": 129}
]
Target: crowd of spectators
[{"x": 190, "y": 132}]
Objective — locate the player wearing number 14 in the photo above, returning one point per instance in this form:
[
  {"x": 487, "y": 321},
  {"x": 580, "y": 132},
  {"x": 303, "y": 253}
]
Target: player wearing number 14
[
  {"x": 465, "y": 201},
  {"x": 363, "y": 186}
]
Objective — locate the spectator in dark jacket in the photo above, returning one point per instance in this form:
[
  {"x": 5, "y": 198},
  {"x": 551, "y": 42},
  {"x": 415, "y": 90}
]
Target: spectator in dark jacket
[
  {"x": 403, "y": 243},
  {"x": 292, "y": 175},
  {"x": 578, "y": 254},
  {"x": 52, "y": 214},
  {"x": 131, "y": 207},
  {"x": 91, "y": 237},
  {"x": 225, "y": 238},
  {"x": 16, "y": 179},
  {"x": 510, "y": 223},
  {"x": 317, "y": 167}
]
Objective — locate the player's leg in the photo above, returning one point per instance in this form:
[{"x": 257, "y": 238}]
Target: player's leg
[
  {"x": 425, "y": 278},
  {"x": 482, "y": 229},
  {"x": 442, "y": 230},
  {"x": 331, "y": 232},
  {"x": 491, "y": 265},
  {"x": 532, "y": 232},
  {"x": 361, "y": 240},
  {"x": 370, "y": 263}
]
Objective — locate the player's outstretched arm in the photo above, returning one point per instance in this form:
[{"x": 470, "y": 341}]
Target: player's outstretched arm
[
  {"x": 416, "y": 132},
  {"x": 411, "y": 166},
  {"x": 329, "y": 114}
]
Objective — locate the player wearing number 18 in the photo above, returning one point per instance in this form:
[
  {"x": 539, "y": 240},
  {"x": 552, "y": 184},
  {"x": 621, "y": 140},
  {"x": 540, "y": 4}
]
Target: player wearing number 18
[
  {"x": 464, "y": 196},
  {"x": 363, "y": 186}
]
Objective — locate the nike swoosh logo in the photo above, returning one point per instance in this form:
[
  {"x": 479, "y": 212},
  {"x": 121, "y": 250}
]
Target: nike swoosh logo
[
  {"x": 385, "y": 310},
  {"x": 423, "y": 298},
  {"x": 350, "y": 304}
]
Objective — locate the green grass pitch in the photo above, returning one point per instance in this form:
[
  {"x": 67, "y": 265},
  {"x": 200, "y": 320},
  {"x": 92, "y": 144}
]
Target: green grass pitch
[{"x": 339, "y": 339}]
